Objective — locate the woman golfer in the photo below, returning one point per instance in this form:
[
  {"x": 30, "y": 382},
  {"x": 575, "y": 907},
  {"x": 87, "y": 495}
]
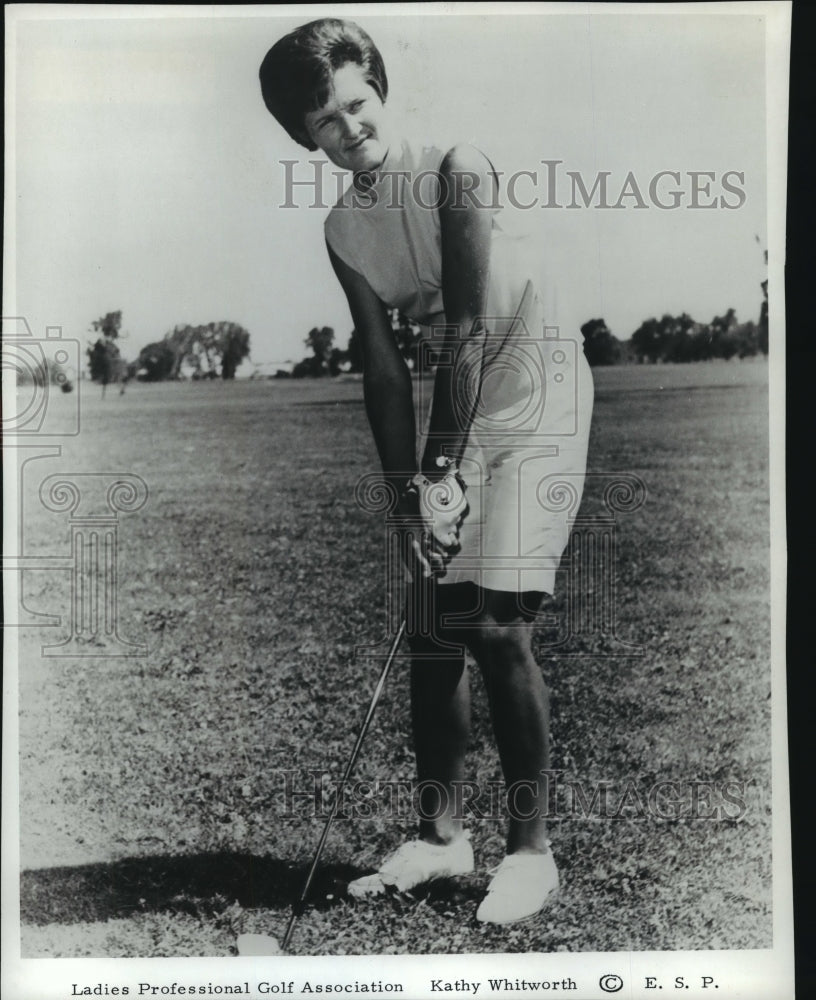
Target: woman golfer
[{"x": 419, "y": 228}]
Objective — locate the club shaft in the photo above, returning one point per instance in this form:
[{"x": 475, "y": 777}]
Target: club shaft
[
  {"x": 297, "y": 909},
  {"x": 526, "y": 296}
]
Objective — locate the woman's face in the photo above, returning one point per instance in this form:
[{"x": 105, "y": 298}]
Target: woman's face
[{"x": 351, "y": 128}]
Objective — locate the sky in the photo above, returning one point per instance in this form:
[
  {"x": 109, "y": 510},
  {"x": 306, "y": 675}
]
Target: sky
[{"x": 145, "y": 175}]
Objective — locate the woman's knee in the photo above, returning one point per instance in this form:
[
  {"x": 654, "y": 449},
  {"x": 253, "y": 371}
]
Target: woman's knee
[
  {"x": 508, "y": 667},
  {"x": 500, "y": 644},
  {"x": 502, "y": 633}
]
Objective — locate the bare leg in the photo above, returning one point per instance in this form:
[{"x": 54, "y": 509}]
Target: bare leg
[
  {"x": 519, "y": 705},
  {"x": 440, "y": 712}
]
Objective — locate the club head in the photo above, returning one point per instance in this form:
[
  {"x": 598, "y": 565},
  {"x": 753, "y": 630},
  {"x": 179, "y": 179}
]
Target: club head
[{"x": 258, "y": 945}]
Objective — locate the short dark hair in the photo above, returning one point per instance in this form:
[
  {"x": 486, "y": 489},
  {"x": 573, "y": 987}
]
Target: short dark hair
[{"x": 296, "y": 72}]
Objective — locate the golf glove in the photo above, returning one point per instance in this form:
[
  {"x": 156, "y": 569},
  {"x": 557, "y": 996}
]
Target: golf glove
[{"x": 442, "y": 505}]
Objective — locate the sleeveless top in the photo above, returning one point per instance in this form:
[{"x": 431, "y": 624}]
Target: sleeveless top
[
  {"x": 390, "y": 234},
  {"x": 535, "y": 396}
]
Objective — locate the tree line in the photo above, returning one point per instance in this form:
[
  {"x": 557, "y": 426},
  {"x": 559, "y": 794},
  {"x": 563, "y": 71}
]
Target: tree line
[
  {"x": 678, "y": 339},
  {"x": 215, "y": 350},
  {"x": 211, "y": 350},
  {"x": 325, "y": 358},
  {"x": 668, "y": 339}
]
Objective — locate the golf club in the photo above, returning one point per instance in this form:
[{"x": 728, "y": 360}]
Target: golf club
[{"x": 258, "y": 944}]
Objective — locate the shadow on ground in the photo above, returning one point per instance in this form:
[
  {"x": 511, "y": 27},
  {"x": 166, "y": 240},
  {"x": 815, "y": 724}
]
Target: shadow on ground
[
  {"x": 179, "y": 884},
  {"x": 195, "y": 884}
]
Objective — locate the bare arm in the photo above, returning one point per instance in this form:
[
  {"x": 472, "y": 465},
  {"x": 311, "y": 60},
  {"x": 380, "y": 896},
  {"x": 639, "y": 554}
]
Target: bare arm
[
  {"x": 390, "y": 407},
  {"x": 386, "y": 379},
  {"x": 466, "y": 233}
]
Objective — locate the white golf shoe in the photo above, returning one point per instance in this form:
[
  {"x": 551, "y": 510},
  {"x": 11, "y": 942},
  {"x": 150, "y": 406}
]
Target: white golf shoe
[
  {"x": 521, "y": 886},
  {"x": 416, "y": 862}
]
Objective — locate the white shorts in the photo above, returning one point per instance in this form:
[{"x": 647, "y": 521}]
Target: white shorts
[{"x": 525, "y": 461}]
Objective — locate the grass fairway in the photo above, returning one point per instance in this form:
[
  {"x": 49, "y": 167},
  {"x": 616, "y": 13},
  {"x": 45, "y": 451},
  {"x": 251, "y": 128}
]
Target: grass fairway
[{"x": 152, "y": 805}]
